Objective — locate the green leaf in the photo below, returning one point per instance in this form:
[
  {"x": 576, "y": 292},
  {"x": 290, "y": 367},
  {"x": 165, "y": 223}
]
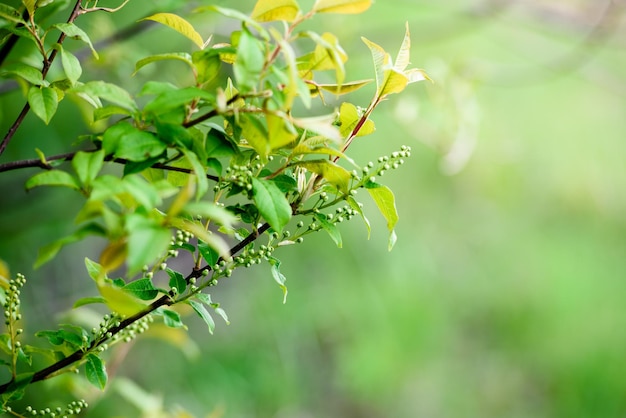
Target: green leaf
[
  {"x": 249, "y": 63},
  {"x": 107, "y": 91},
  {"x": 328, "y": 55},
  {"x": 60, "y": 337},
  {"x": 208, "y": 253},
  {"x": 71, "y": 64},
  {"x": 329, "y": 227},
  {"x": 12, "y": 15},
  {"x": 344, "y": 88},
  {"x": 94, "y": 270},
  {"x": 271, "y": 10},
  {"x": 147, "y": 241},
  {"x": 179, "y": 24},
  {"x": 125, "y": 141},
  {"x": 331, "y": 172},
  {"x": 236, "y": 14},
  {"x": 200, "y": 232},
  {"x": 202, "y": 183},
  {"x": 349, "y": 118},
  {"x": 342, "y": 6},
  {"x": 393, "y": 82},
  {"x": 280, "y": 132},
  {"x": 16, "y": 389},
  {"x": 210, "y": 211},
  {"x": 171, "y": 318},
  {"x": 207, "y": 65},
  {"x": 177, "y": 280},
  {"x": 271, "y": 202},
  {"x": 177, "y": 56},
  {"x": 53, "y": 178},
  {"x": 75, "y": 32},
  {"x": 285, "y": 183},
  {"x": 29, "y": 73},
  {"x": 385, "y": 200},
  {"x": 44, "y": 102},
  {"x": 172, "y": 99},
  {"x": 255, "y": 133},
  {"x": 108, "y": 111},
  {"x": 88, "y": 301},
  {"x": 48, "y": 252},
  {"x": 278, "y": 276},
  {"x": 203, "y": 313},
  {"x": 87, "y": 165},
  {"x": 95, "y": 371},
  {"x": 357, "y": 207},
  {"x": 322, "y": 125},
  {"x": 142, "y": 289}
]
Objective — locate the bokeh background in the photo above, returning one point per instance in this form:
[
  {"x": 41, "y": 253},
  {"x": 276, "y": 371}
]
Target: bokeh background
[{"x": 505, "y": 293}]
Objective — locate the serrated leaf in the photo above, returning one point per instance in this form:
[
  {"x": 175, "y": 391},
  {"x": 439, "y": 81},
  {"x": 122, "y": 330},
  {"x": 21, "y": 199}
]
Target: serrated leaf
[
  {"x": 107, "y": 91},
  {"x": 381, "y": 60},
  {"x": 386, "y": 203},
  {"x": 177, "y": 56},
  {"x": 329, "y": 227},
  {"x": 176, "y": 280},
  {"x": 271, "y": 202},
  {"x": 179, "y": 24},
  {"x": 44, "y": 102},
  {"x": 75, "y": 32},
  {"x": 403, "y": 57},
  {"x": 271, "y": 10},
  {"x": 278, "y": 276},
  {"x": 95, "y": 371},
  {"x": 142, "y": 289},
  {"x": 342, "y": 6},
  {"x": 53, "y": 178},
  {"x": 203, "y": 313},
  {"x": 331, "y": 172}
]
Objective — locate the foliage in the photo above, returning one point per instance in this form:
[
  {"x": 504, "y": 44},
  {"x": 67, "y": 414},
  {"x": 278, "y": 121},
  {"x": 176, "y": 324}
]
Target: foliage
[{"x": 225, "y": 169}]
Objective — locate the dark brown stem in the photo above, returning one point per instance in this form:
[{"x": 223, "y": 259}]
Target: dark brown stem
[{"x": 47, "y": 62}]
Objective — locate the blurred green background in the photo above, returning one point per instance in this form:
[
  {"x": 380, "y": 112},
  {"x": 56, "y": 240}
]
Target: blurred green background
[{"x": 504, "y": 296}]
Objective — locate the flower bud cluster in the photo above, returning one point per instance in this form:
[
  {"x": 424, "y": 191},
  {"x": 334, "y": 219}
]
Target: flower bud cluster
[
  {"x": 12, "y": 303},
  {"x": 383, "y": 164},
  {"x": 240, "y": 175},
  {"x": 251, "y": 256},
  {"x": 133, "y": 330},
  {"x": 73, "y": 408}
]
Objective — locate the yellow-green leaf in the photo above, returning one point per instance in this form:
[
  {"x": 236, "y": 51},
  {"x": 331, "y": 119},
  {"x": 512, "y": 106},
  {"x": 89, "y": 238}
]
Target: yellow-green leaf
[
  {"x": 331, "y": 172},
  {"x": 385, "y": 200},
  {"x": 280, "y": 132},
  {"x": 393, "y": 82},
  {"x": 403, "y": 57},
  {"x": 382, "y": 60},
  {"x": 179, "y": 24},
  {"x": 270, "y": 10},
  {"x": 344, "y": 88},
  {"x": 349, "y": 118},
  {"x": 44, "y": 102},
  {"x": 342, "y": 6},
  {"x": 119, "y": 300}
]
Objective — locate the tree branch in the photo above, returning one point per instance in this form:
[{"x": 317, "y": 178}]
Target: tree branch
[{"x": 47, "y": 62}]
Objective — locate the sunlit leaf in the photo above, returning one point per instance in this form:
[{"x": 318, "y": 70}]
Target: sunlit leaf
[
  {"x": 322, "y": 125},
  {"x": 271, "y": 202},
  {"x": 87, "y": 165},
  {"x": 71, "y": 64},
  {"x": 403, "y": 57},
  {"x": 179, "y": 24},
  {"x": 381, "y": 59},
  {"x": 278, "y": 276},
  {"x": 255, "y": 133},
  {"x": 202, "y": 313},
  {"x": 107, "y": 91},
  {"x": 176, "y": 56},
  {"x": 147, "y": 240},
  {"x": 331, "y": 172},
  {"x": 344, "y": 88},
  {"x": 202, "y": 183},
  {"x": 27, "y": 72},
  {"x": 250, "y": 61},
  {"x": 393, "y": 82},
  {"x": 119, "y": 300},
  {"x": 342, "y": 6},
  {"x": 349, "y": 118},
  {"x": 270, "y": 10},
  {"x": 386, "y": 203},
  {"x": 53, "y": 178},
  {"x": 142, "y": 289},
  {"x": 236, "y": 14}
]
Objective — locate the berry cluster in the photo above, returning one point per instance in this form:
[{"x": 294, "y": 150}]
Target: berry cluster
[
  {"x": 73, "y": 408},
  {"x": 384, "y": 164}
]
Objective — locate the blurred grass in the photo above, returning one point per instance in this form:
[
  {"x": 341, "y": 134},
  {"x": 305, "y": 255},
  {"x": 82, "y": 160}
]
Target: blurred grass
[{"x": 504, "y": 294}]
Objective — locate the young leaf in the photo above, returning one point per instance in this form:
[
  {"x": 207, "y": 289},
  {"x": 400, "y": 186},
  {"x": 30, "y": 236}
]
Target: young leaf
[
  {"x": 329, "y": 227},
  {"x": 171, "y": 99},
  {"x": 349, "y": 118},
  {"x": 180, "y": 25},
  {"x": 87, "y": 165},
  {"x": 29, "y": 73},
  {"x": 271, "y": 202},
  {"x": 125, "y": 141},
  {"x": 53, "y": 178},
  {"x": 44, "y": 102},
  {"x": 208, "y": 253},
  {"x": 75, "y": 32},
  {"x": 88, "y": 301},
  {"x": 179, "y": 56},
  {"x": 203, "y": 313},
  {"x": 271, "y": 10},
  {"x": 236, "y": 14},
  {"x": 403, "y": 57},
  {"x": 381, "y": 59},
  {"x": 342, "y": 6},
  {"x": 95, "y": 371},
  {"x": 142, "y": 289},
  {"x": 119, "y": 300},
  {"x": 278, "y": 276},
  {"x": 332, "y": 173},
  {"x": 202, "y": 183},
  {"x": 393, "y": 82},
  {"x": 177, "y": 281},
  {"x": 355, "y": 205},
  {"x": 385, "y": 200}
]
